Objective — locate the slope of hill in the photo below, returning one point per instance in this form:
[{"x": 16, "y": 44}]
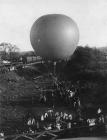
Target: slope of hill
[{"x": 103, "y": 49}]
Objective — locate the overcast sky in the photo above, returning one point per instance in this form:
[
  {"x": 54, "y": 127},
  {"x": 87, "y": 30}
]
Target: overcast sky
[{"x": 17, "y": 17}]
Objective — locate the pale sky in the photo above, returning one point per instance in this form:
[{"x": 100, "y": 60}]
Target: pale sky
[{"x": 17, "y": 17}]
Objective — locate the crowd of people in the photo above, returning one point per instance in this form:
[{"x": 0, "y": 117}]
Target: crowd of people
[
  {"x": 60, "y": 93},
  {"x": 50, "y": 120},
  {"x": 58, "y": 121},
  {"x": 55, "y": 120}
]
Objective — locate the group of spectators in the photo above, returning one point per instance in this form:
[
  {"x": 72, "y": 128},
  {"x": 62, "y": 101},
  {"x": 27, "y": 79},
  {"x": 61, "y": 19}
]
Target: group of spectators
[
  {"x": 50, "y": 120},
  {"x": 62, "y": 94},
  {"x": 55, "y": 120}
]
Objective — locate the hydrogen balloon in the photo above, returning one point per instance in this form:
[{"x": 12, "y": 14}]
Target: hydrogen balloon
[{"x": 54, "y": 36}]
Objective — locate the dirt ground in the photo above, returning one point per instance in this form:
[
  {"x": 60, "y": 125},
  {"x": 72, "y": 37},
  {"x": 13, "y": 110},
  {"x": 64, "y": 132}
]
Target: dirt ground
[{"x": 91, "y": 138}]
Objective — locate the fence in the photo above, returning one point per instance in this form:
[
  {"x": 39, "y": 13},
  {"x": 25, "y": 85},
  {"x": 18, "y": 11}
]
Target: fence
[{"x": 97, "y": 130}]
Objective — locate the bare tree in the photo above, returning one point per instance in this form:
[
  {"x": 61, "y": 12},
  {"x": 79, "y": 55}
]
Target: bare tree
[{"x": 9, "y": 51}]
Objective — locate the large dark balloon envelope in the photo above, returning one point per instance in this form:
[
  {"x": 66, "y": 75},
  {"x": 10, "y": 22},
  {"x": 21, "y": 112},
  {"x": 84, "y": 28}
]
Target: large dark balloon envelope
[{"x": 54, "y": 36}]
